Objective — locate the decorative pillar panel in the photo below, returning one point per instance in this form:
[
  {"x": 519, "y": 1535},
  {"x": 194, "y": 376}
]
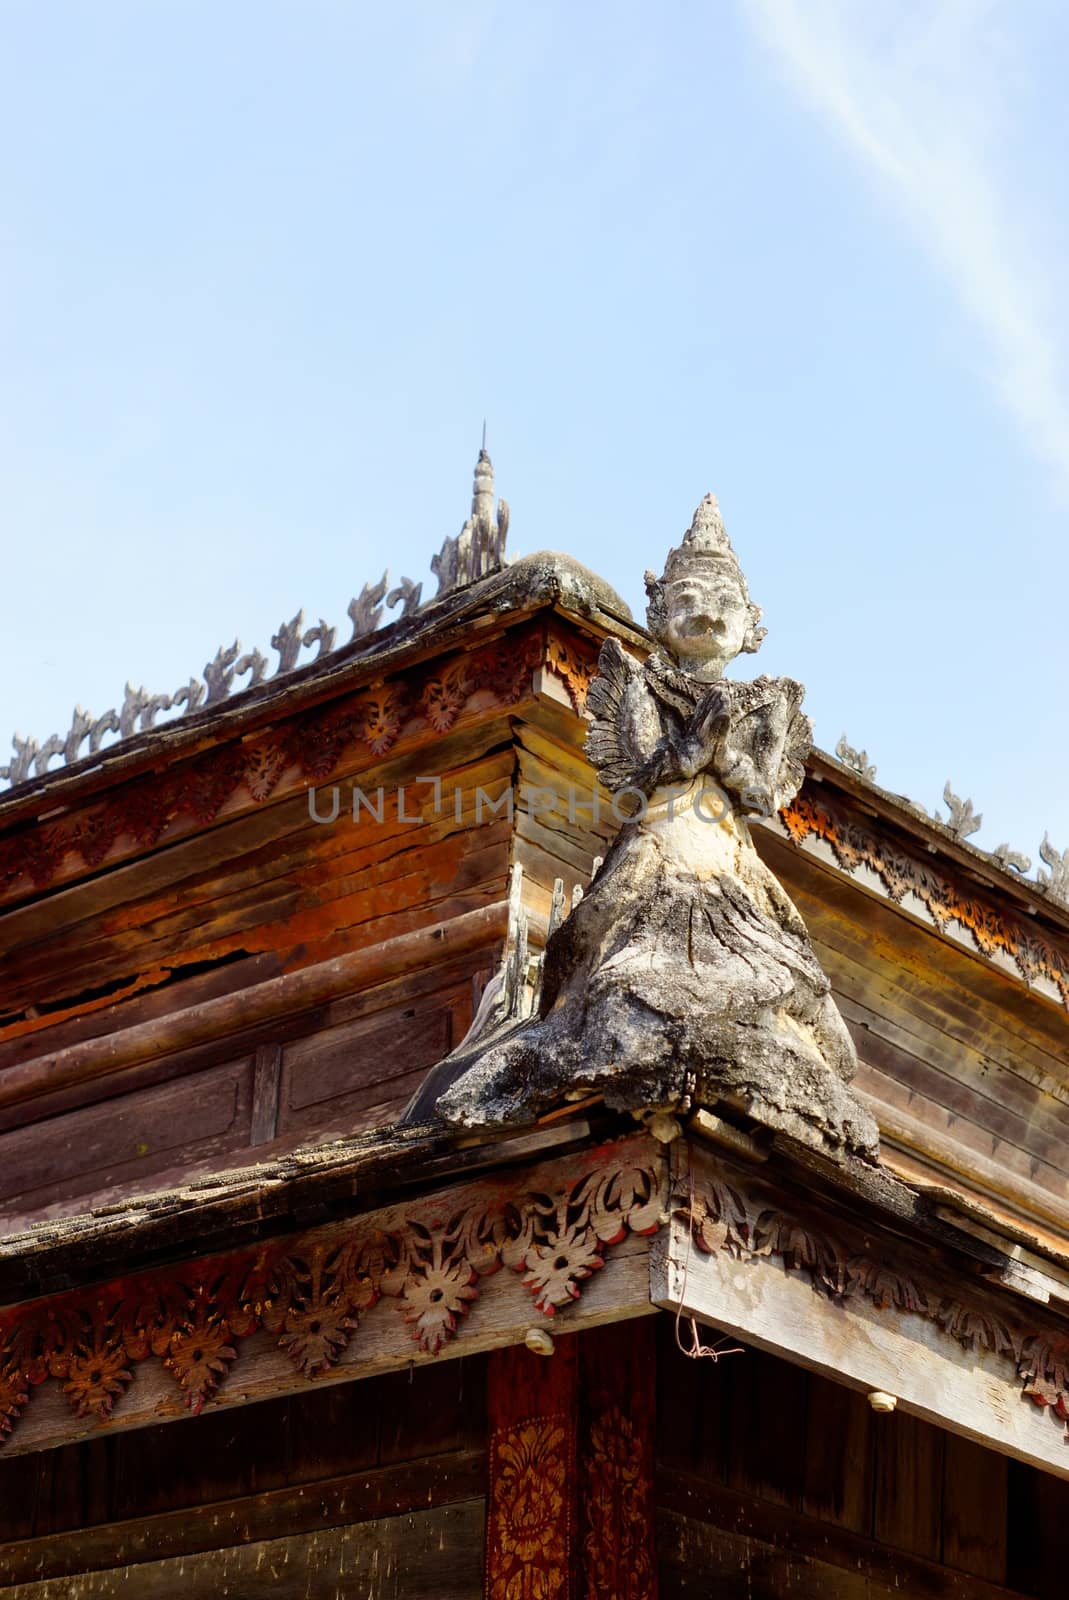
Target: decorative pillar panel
[
  {"x": 571, "y": 1506},
  {"x": 617, "y": 1546},
  {"x": 532, "y": 1507}
]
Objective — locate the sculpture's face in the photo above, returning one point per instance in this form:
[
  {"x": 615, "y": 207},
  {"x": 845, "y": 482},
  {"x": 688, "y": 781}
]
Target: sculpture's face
[{"x": 707, "y": 616}]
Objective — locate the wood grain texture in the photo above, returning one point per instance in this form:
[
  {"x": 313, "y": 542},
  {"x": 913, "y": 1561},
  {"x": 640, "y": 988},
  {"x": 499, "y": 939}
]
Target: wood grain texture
[
  {"x": 231, "y": 1459},
  {"x": 376, "y": 1493},
  {"x": 976, "y": 1508},
  {"x": 391, "y": 1558},
  {"x": 715, "y": 1542}
]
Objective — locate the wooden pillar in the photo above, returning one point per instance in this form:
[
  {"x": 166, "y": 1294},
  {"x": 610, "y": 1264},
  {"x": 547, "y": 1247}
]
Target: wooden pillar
[
  {"x": 570, "y": 1514},
  {"x": 531, "y": 1511},
  {"x": 617, "y": 1387}
]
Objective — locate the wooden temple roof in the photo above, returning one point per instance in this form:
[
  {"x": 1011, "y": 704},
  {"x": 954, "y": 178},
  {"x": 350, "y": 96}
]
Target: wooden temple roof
[{"x": 215, "y": 1009}]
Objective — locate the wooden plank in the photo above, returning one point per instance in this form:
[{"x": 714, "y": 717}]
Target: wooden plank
[
  {"x": 861, "y": 1345},
  {"x": 766, "y": 1452},
  {"x": 338, "y": 1431},
  {"x": 1033, "y": 1098},
  {"x": 201, "y": 1118},
  {"x": 420, "y": 882},
  {"x": 975, "y": 1508},
  {"x": 390, "y": 1558},
  {"x": 306, "y": 987},
  {"x": 355, "y": 1497},
  {"x": 994, "y": 1062},
  {"x": 1037, "y": 1555},
  {"x": 912, "y": 955},
  {"x": 690, "y": 1431},
  {"x": 965, "y": 1152},
  {"x": 433, "y": 1410},
  {"x": 908, "y": 1499},
  {"x": 1043, "y": 1133},
  {"x": 267, "y": 1074},
  {"x": 838, "y": 1456},
  {"x": 449, "y": 978},
  {"x": 481, "y": 711},
  {"x": 708, "y": 1535},
  {"x": 314, "y": 862},
  {"x": 703, "y": 1563},
  {"x": 346, "y": 1063},
  {"x": 95, "y": 1017}
]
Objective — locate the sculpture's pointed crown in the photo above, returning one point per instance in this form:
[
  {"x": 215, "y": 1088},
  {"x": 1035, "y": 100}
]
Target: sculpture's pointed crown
[{"x": 705, "y": 543}]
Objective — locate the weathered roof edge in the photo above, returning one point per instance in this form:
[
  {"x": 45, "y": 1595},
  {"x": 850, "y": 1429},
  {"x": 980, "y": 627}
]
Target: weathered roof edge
[
  {"x": 531, "y": 583},
  {"x": 544, "y": 579},
  {"x": 236, "y": 1207}
]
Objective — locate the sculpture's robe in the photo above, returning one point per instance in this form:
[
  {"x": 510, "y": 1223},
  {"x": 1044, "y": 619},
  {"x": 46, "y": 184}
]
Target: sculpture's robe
[{"x": 685, "y": 973}]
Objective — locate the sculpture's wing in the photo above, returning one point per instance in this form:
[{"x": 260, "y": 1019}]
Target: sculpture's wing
[
  {"x": 627, "y": 724},
  {"x": 796, "y": 746}
]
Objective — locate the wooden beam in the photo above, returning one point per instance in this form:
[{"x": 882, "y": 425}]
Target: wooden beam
[
  {"x": 973, "y": 1392},
  {"x": 470, "y": 1268},
  {"x": 435, "y": 1552},
  {"x": 707, "y": 1532},
  {"x": 500, "y": 1317},
  {"x": 386, "y": 1491}
]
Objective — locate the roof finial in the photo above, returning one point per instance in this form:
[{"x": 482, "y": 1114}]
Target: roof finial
[
  {"x": 479, "y": 548},
  {"x": 482, "y": 500}
]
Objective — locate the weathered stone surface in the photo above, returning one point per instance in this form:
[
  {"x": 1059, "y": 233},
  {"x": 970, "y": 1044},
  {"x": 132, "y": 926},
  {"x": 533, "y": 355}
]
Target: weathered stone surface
[{"x": 685, "y": 973}]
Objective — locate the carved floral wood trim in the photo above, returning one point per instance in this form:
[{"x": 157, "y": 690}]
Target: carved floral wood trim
[
  {"x": 433, "y": 1258},
  {"x": 430, "y": 1260},
  {"x": 726, "y": 1212},
  {"x": 994, "y": 932},
  {"x": 372, "y": 721},
  {"x": 575, "y": 663}
]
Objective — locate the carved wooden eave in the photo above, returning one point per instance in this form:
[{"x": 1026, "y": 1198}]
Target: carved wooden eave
[
  {"x": 881, "y": 1308},
  {"x": 893, "y": 851},
  {"x": 36, "y": 818},
  {"x": 410, "y": 1251}
]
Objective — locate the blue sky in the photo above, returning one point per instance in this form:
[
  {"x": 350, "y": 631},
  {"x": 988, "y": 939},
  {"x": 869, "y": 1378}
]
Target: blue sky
[{"x": 264, "y": 268}]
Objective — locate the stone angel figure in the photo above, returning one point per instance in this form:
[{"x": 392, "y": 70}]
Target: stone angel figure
[{"x": 685, "y": 975}]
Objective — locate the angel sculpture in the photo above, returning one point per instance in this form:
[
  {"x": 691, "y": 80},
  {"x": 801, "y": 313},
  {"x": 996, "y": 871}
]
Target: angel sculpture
[{"x": 685, "y": 974}]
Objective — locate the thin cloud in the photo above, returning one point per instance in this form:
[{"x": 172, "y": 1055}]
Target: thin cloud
[{"x": 915, "y": 94}]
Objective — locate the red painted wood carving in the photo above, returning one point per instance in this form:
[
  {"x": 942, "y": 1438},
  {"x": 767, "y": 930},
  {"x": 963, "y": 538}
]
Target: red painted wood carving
[
  {"x": 993, "y": 931},
  {"x": 432, "y": 1258},
  {"x": 618, "y": 1366},
  {"x": 310, "y": 747},
  {"x": 531, "y": 1506},
  {"x": 575, "y": 663}
]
